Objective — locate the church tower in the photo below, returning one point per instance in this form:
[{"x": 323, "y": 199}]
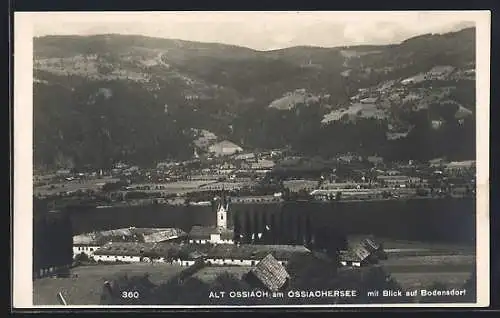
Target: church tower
[{"x": 222, "y": 209}]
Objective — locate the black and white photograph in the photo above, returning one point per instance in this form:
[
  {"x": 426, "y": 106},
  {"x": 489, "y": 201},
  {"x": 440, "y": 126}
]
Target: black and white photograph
[{"x": 251, "y": 159}]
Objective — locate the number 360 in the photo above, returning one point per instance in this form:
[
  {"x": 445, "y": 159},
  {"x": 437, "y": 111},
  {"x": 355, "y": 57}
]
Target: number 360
[{"x": 130, "y": 294}]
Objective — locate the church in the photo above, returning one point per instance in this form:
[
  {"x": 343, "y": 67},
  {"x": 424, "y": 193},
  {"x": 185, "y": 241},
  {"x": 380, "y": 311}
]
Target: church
[{"x": 219, "y": 234}]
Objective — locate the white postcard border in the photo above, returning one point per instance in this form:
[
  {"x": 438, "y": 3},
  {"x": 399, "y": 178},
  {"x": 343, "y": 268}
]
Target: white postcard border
[{"x": 23, "y": 158}]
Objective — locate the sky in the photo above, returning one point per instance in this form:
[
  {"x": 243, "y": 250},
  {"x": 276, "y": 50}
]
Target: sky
[{"x": 259, "y": 30}]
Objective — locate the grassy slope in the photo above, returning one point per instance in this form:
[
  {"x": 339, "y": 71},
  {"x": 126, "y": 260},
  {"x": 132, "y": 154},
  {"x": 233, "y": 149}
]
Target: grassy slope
[{"x": 86, "y": 288}]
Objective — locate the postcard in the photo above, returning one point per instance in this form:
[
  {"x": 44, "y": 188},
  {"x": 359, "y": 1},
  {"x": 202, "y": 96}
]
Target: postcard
[{"x": 251, "y": 159}]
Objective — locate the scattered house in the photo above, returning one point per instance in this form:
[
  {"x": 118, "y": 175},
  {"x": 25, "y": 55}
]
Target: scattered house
[
  {"x": 366, "y": 252},
  {"x": 374, "y": 247},
  {"x": 121, "y": 165},
  {"x": 357, "y": 257},
  {"x": 268, "y": 273},
  {"x": 399, "y": 180},
  {"x": 224, "y": 148},
  {"x": 245, "y": 156},
  {"x": 369, "y": 100}
]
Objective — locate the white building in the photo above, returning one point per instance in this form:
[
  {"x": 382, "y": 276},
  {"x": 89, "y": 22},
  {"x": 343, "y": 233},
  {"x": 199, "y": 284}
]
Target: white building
[
  {"x": 89, "y": 243},
  {"x": 219, "y": 234},
  {"x": 187, "y": 255},
  {"x": 224, "y": 148},
  {"x": 85, "y": 244}
]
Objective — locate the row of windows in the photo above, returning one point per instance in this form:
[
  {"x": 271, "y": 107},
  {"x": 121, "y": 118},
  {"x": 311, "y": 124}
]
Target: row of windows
[
  {"x": 209, "y": 241},
  {"x": 256, "y": 200},
  {"x": 86, "y": 248},
  {"x": 109, "y": 257}
]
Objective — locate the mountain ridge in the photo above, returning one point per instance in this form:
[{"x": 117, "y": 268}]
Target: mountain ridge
[
  {"x": 360, "y": 46},
  {"x": 228, "y": 90}
]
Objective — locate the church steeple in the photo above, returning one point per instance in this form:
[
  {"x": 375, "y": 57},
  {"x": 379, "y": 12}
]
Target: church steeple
[{"x": 222, "y": 209}]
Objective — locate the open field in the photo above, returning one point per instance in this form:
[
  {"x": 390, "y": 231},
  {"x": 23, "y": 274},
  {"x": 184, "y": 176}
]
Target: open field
[
  {"x": 86, "y": 287},
  {"x": 429, "y": 262},
  {"x": 411, "y": 281},
  {"x": 415, "y": 272},
  {"x": 434, "y": 260},
  {"x": 209, "y": 273},
  {"x": 74, "y": 185},
  {"x": 402, "y": 247}
]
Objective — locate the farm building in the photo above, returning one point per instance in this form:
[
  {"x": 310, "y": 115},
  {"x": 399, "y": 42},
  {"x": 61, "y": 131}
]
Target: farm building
[
  {"x": 250, "y": 255},
  {"x": 268, "y": 273},
  {"x": 88, "y": 243},
  {"x": 188, "y": 254},
  {"x": 368, "y": 251}
]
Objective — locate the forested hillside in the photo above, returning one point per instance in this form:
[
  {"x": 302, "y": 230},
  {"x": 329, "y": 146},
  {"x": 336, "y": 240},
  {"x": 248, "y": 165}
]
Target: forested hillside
[{"x": 101, "y": 99}]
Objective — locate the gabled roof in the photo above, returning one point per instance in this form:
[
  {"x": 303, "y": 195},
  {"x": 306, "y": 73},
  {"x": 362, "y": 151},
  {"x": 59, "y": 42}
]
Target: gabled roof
[
  {"x": 164, "y": 235},
  {"x": 371, "y": 244},
  {"x": 361, "y": 253},
  {"x": 270, "y": 273},
  {"x": 357, "y": 254}
]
